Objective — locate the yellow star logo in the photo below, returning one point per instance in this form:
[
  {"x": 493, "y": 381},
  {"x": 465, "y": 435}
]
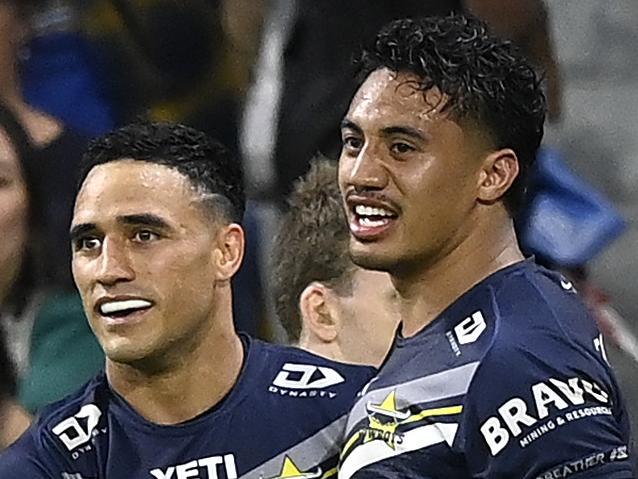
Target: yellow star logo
[
  {"x": 388, "y": 408},
  {"x": 290, "y": 471},
  {"x": 384, "y": 419}
]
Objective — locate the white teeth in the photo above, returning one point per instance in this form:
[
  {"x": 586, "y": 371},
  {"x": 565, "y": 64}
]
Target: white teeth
[
  {"x": 368, "y": 223},
  {"x": 117, "y": 306},
  {"x": 363, "y": 210}
]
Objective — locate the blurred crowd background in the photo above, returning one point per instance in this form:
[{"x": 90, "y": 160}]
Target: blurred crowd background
[{"x": 272, "y": 79}]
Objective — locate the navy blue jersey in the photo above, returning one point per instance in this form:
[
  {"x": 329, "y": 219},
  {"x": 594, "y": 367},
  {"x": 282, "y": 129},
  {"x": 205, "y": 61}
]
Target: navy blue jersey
[
  {"x": 286, "y": 413},
  {"x": 510, "y": 381}
]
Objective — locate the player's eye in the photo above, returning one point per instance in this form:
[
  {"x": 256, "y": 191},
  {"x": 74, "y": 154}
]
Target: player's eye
[
  {"x": 352, "y": 143},
  {"x": 401, "y": 148},
  {"x": 145, "y": 236},
  {"x": 87, "y": 243}
]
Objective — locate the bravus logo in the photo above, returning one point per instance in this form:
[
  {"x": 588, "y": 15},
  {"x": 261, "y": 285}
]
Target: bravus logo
[{"x": 550, "y": 398}]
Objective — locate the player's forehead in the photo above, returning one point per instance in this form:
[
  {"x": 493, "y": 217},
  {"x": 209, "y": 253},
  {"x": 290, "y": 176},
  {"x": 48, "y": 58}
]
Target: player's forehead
[
  {"x": 388, "y": 97},
  {"x": 130, "y": 187}
]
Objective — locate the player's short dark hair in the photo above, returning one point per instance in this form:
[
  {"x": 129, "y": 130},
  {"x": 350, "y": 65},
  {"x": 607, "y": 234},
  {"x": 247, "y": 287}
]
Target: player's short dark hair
[
  {"x": 312, "y": 243},
  {"x": 208, "y": 164},
  {"x": 486, "y": 81}
]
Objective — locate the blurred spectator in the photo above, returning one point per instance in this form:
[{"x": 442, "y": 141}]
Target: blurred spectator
[
  {"x": 327, "y": 304},
  {"x": 186, "y": 62},
  {"x": 14, "y": 420},
  {"x": 526, "y": 23},
  {"x": 48, "y": 338},
  {"x": 166, "y": 60},
  {"x": 304, "y": 80},
  {"x": 59, "y": 69},
  {"x": 56, "y": 148}
]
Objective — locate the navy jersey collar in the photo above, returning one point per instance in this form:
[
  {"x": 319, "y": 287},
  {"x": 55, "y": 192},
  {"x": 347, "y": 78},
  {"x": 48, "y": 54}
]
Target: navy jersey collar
[{"x": 440, "y": 322}]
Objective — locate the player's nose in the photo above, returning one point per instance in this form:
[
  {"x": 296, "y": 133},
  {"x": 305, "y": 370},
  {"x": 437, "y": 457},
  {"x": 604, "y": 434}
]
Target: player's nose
[
  {"x": 114, "y": 264},
  {"x": 367, "y": 169}
]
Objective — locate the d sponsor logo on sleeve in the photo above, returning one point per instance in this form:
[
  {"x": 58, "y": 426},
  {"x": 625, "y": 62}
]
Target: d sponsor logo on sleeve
[{"x": 305, "y": 380}]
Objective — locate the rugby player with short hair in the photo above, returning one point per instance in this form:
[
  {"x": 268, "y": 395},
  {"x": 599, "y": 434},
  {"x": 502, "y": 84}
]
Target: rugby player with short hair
[
  {"x": 498, "y": 370},
  {"x": 327, "y": 304},
  {"x": 156, "y": 240}
]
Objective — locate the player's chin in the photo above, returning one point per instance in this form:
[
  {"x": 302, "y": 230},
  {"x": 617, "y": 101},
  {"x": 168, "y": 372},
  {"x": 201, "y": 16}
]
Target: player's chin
[
  {"x": 126, "y": 350},
  {"x": 372, "y": 256}
]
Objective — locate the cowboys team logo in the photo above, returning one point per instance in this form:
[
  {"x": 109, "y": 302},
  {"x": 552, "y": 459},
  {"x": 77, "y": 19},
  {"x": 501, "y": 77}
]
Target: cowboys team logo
[
  {"x": 384, "y": 419},
  {"x": 290, "y": 471}
]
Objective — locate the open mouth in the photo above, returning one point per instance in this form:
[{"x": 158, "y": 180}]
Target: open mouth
[
  {"x": 123, "y": 309},
  {"x": 370, "y": 222}
]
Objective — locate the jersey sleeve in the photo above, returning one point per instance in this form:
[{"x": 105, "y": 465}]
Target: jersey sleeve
[
  {"x": 26, "y": 459},
  {"x": 531, "y": 415}
]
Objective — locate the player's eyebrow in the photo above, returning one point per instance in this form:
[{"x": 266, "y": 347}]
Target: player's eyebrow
[
  {"x": 388, "y": 130},
  {"x": 81, "y": 229},
  {"x": 351, "y": 125},
  {"x": 143, "y": 219},
  {"x": 404, "y": 130}
]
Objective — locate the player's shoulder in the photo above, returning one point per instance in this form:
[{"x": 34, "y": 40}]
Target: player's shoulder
[
  {"x": 540, "y": 319},
  {"x": 95, "y": 390},
  {"x": 540, "y": 329},
  {"x": 542, "y": 383},
  {"x": 58, "y": 431},
  {"x": 293, "y": 372},
  {"x": 74, "y": 420},
  {"x": 285, "y": 353},
  {"x": 500, "y": 305},
  {"x": 531, "y": 295},
  {"x": 518, "y": 319}
]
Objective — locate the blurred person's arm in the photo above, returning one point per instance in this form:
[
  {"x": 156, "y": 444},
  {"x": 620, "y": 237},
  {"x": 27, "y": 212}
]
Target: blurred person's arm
[
  {"x": 526, "y": 22},
  {"x": 14, "y": 420},
  {"x": 57, "y": 369},
  {"x": 242, "y": 22}
]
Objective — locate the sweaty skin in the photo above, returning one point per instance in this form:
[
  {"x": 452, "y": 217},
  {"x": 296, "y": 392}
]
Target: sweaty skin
[
  {"x": 440, "y": 179},
  {"x": 141, "y": 234}
]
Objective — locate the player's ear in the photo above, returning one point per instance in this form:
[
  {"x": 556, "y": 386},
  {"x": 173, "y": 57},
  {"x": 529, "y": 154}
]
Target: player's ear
[
  {"x": 229, "y": 251},
  {"x": 317, "y": 313},
  {"x": 498, "y": 171}
]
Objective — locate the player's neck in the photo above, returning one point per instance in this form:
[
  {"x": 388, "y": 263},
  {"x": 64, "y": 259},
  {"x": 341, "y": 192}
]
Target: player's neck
[
  {"x": 426, "y": 293},
  {"x": 186, "y": 388},
  {"x": 315, "y": 345}
]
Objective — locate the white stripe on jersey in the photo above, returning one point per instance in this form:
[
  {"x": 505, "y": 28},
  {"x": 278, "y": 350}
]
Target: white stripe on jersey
[
  {"x": 435, "y": 387},
  {"x": 377, "y": 450}
]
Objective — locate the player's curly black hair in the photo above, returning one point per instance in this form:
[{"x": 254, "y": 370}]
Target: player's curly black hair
[
  {"x": 486, "y": 80},
  {"x": 208, "y": 164}
]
